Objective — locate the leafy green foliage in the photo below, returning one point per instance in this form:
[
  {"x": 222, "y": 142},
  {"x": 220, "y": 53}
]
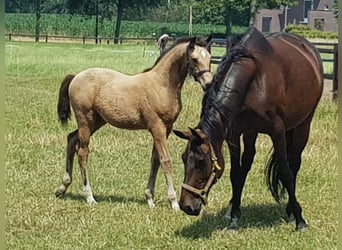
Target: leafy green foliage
[
  {"x": 305, "y": 31},
  {"x": 76, "y": 25}
]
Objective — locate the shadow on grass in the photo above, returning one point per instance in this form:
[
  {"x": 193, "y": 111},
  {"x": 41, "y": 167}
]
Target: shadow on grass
[
  {"x": 254, "y": 216},
  {"x": 104, "y": 198}
]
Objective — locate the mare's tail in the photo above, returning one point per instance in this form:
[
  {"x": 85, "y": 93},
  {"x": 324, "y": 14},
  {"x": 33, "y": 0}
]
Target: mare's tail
[
  {"x": 272, "y": 178},
  {"x": 63, "y": 106}
]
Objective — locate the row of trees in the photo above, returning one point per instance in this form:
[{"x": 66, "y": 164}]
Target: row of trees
[{"x": 226, "y": 12}]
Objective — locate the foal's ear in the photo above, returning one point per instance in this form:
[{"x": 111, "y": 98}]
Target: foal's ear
[
  {"x": 182, "y": 134},
  {"x": 192, "y": 43}
]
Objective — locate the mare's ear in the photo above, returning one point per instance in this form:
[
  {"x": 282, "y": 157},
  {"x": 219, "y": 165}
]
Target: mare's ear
[
  {"x": 198, "y": 139},
  {"x": 192, "y": 43},
  {"x": 209, "y": 38},
  {"x": 182, "y": 134}
]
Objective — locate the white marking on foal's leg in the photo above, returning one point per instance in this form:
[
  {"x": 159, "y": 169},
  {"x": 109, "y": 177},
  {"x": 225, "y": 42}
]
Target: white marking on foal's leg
[
  {"x": 149, "y": 198},
  {"x": 65, "y": 183},
  {"x": 171, "y": 192},
  {"x": 228, "y": 215},
  {"x": 89, "y": 194}
]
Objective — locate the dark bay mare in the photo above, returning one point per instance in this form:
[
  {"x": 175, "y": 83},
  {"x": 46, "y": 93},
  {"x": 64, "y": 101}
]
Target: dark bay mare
[
  {"x": 150, "y": 100},
  {"x": 268, "y": 85}
]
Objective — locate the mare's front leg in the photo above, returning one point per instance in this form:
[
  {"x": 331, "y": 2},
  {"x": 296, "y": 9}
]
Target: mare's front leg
[
  {"x": 72, "y": 141},
  {"x": 238, "y": 173},
  {"x": 160, "y": 134}
]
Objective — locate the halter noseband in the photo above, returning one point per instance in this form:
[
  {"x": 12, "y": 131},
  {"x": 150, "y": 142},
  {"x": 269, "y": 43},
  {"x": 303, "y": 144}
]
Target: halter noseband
[
  {"x": 197, "y": 74},
  {"x": 204, "y": 192}
]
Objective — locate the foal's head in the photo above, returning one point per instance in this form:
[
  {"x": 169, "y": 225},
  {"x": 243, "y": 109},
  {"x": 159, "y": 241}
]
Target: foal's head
[
  {"x": 201, "y": 171},
  {"x": 198, "y": 59}
]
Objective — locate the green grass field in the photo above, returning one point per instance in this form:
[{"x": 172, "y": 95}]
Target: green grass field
[{"x": 119, "y": 167}]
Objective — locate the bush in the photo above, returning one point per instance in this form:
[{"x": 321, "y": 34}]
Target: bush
[{"x": 305, "y": 31}]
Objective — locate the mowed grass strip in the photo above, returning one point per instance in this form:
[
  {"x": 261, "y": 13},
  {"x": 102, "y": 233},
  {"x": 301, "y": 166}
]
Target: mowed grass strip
[{"x": 119, "y": 166}]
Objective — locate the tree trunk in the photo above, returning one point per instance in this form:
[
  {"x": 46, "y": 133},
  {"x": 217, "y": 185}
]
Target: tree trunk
[
  {"x": 118, "y": 22},
  {"x": 228, "y": 22},
  {"x": 252, "y": 13},
  {"x": 96, "y": 21},
  {"x": 37, "y": 20}
]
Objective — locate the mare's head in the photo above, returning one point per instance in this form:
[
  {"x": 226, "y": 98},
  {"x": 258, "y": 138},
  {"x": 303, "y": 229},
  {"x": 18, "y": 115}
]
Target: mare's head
[
  {"x": 198, "y": 60},
  {"x": 201, "y": 171}
]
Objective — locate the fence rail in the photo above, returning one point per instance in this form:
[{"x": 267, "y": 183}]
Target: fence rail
[{"x": 323, "y": 48}]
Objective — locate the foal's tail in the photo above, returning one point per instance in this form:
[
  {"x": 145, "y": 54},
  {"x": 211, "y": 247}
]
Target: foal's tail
[
  {"x": 272, "y": 178},
  {"x": 63, "y": 106}
]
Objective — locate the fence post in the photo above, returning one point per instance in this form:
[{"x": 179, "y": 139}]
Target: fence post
[
  {"x": 46, "y": 38},
  {"x": 83, "y": 39},
  {"x": 10, "y": 36},
  {"x": 335, "y": 73}
]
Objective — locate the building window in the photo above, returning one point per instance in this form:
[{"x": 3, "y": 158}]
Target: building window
[
  {"x": 319, "y": 24},
  {"x": 307, "y": 7},
  {"x": 266, "y": 24}
]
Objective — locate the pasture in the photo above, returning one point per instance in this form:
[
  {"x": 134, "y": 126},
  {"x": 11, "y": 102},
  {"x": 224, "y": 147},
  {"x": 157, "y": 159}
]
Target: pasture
[{"x": 119, "y": 166}]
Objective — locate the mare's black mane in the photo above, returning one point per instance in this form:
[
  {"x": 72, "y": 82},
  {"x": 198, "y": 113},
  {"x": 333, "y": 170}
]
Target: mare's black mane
[{"x": 222, "y": 100}]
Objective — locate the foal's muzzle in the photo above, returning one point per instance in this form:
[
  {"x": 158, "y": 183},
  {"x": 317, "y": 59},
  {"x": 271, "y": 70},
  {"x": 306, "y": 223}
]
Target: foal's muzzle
[{"x": 204, "y": 77}]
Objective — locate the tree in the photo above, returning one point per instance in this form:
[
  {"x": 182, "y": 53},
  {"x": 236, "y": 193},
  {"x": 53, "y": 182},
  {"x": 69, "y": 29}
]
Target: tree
[
  {"x": 121, "y": 5},
  {"x": 37, "y": 20}
]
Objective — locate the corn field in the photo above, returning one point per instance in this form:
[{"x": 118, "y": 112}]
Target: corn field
[{"x": 77, "y": 25}]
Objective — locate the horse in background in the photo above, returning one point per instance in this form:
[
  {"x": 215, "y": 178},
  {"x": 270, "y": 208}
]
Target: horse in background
[
  {"x": 150, "y": 100},
  {"x": 268, "y": 85}
]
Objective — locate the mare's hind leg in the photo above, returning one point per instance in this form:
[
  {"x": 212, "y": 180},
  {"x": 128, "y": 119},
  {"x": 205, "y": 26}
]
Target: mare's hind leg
[
  {"x": 238, "y": 174},
  {"x": 297, "y": 139},
  {"x": 284, "y": 172},
  {"x": 72, "y": 141},
  {"x": 155, "y": 163},
  {"x": 160, "y": 135}
]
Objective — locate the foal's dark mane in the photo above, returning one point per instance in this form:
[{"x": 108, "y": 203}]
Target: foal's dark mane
[{"x": 199, "y": 41}]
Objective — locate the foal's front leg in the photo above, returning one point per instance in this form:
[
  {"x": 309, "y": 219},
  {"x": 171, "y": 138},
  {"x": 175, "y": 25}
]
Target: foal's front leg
[{"x": 159, "y": 139}]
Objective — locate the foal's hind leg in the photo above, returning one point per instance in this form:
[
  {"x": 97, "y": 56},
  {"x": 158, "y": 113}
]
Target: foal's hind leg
[
  {"x": 155, "y": 163},
  {"x": 88, "y": 123},
  {"x": 72, "y": 141}
]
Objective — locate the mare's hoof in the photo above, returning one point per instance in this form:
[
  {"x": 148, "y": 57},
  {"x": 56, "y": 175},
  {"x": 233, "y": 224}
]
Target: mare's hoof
[
  {"x": 291, "y": 218},
  {"x": 302, "y": 227},
  {"x": 233, "y": 229},
  {"x": 233, "y": 226}
]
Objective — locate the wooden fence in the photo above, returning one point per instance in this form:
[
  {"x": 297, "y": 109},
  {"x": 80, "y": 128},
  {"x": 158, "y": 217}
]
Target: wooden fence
[{"x": 323, "y": 48}]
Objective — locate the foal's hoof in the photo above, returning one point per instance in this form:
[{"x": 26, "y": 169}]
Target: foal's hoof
[
  {"x": 59, "y": 192},
  {"x": 302, "y": 227},
  {"x": 175, "y": 206}
]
